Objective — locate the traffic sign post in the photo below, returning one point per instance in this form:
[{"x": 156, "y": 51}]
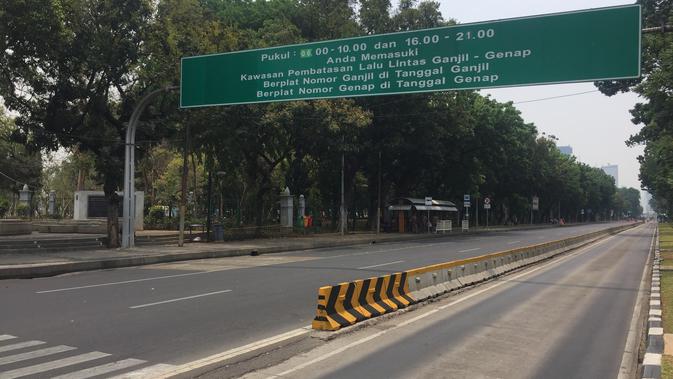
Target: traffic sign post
[
  {"x": 428, "y": 202},
  {"x": 535, "y": 205},
  {"x": 487, "y": 207},
  {"x": 589, "y": 45}
]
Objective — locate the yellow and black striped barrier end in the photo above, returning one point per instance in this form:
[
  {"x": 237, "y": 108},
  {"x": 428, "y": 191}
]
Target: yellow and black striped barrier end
[{"x": 348, "y": 303}]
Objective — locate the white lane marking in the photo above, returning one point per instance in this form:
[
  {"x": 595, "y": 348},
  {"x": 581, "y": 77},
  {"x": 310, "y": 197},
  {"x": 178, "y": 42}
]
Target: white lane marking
[
  {"x": 5, "y": 337},
  {"x": 431, "y": 312},
  {"x": 178, "y": 299},
  {"x": 229, "y": 354},
  {"x": 34, "y": 354},
  {"x": 153, "y": 372},
  {"x": 512, "y": 242},
  {"x": 130, "y": 281},
  {"x": 468, "y": 250},
  {"x": 42, "y": 367},
  {"x": 19, "y": 345},
  {"x": 379, "y": 265},
  {"x": 100, "y": 370}
]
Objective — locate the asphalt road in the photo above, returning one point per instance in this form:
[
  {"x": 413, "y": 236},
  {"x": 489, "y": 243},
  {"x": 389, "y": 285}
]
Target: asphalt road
[
  {"x": 171, "y": 314},
  {"x": 568, "y": 318}
]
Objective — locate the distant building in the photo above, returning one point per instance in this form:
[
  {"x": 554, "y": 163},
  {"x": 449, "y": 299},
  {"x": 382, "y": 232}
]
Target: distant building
[
  {"x": 566, "y": 150},
  {"x": 612, "y": 170}
]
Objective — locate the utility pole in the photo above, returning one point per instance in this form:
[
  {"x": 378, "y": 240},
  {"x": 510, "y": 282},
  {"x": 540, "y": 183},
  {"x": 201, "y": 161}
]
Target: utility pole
[
  {"x": 378, "y": 204},
  {"x": 342, "y": 209},
  {"x": 183, "y": 186},
  {"x": 210, "y": 204}
]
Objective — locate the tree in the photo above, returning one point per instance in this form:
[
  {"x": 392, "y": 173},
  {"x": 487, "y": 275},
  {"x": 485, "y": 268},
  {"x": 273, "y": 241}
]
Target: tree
[
  {"x": 69, "y": 71},
  {"x": 18, "y": 166},
  {"x": 656, "y": 165}
]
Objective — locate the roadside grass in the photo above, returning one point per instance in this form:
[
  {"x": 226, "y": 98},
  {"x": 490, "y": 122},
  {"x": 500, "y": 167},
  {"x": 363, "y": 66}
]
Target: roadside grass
[
  {"x": 666, "y": 237},
  {"x": 667, "y": 367},
  {"x": 667, "y": 300},
  {"x": 667, "y": 259},
  {"x": 666, "y": 245}
]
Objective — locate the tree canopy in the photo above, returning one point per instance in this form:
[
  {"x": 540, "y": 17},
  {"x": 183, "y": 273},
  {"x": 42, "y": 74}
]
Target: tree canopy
[{"x": 73, "y": 70}]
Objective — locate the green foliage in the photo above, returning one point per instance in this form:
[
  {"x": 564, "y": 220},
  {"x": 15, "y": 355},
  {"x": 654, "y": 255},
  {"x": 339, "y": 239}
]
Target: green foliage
[
  {"x": 4, "y": 206},
  {"x": 23, "y": 210},
  {"x": 74, "y": 69},
  {"x": 18, "y": 165},
  {"x": 656, "y": 164}
]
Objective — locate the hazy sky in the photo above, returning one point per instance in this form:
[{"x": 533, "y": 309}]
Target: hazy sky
[{"x": 595, "y": 125}]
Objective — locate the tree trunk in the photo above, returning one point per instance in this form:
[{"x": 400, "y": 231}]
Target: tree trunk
[{"x": 112, "y": 214}]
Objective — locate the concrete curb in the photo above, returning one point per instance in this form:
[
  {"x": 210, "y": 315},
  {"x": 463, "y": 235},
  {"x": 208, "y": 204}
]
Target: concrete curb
[
  {"x": 655, "y": 330},
  {"x": 28, "y": 271}
]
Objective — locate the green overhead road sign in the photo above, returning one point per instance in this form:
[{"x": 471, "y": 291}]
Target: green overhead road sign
[{"x": 589, "y": 45}]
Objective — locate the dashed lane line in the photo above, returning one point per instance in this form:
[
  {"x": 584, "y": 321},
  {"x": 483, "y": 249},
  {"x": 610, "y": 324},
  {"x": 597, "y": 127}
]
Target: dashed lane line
[
  {"x": 380, "y": 265},
  {"x": 178, "y": 299},
  {"x": 468, "y": 250}
]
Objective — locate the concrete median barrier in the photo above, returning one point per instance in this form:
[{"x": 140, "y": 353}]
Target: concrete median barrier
[{"x": 347, "y": 303}]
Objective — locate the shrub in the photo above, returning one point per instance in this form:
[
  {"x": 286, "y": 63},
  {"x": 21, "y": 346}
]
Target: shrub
[{"x": 4, "y": 207}]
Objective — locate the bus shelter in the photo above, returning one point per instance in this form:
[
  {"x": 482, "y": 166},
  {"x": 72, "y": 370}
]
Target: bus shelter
[{"x": 411, "y": 215}]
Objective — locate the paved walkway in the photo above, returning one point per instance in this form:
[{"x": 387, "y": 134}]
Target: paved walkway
[{"x": 47, "y": 264}]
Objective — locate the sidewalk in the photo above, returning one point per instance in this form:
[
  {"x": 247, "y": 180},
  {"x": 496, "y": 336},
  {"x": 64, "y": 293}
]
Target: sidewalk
[{"x": 15, "y": 266}]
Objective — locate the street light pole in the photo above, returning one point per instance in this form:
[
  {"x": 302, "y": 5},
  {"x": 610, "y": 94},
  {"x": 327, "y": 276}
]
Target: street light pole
[{"x": 129, "y": 206}]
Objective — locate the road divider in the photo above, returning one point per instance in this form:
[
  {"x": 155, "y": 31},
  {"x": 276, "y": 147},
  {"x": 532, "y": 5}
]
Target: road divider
[{"x": 348, "y": 303}]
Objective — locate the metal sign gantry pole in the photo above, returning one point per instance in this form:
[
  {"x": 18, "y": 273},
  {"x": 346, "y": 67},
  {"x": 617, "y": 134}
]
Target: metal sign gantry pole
[{"x": 129, "y": 205}]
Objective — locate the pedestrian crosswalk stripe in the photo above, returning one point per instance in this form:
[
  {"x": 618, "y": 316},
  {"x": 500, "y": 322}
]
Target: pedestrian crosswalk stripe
[
  {"x": 19, "y": 345},
  {"x": 4, "y": 337},
  {"x": 42, "y": 367},
  {"x": 147, "y": 372},
  {"x": 100, "y": 370},
  {"x": 34, "y": 354}
]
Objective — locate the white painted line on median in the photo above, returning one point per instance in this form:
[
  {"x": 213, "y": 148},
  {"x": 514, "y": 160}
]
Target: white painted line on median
[
  {"x": 5, "y": 337},
  {"x": 656, "y": 331},
  {"x": 380, "y": 265},
  {"x": 34, "y": 354},
  {"x": 233, "y": 353},
  {"x": 512, "y": 242},
  {"x": 468, "y": 250},
  {"x": 42, "y": 367},
  {"x": 19, "y": 345},
  {"x": 100, "y": 370},
  {"x": 652, "y": 359},
  {"x": 178, "y": 299},
  {"x": 431, "y": 312}
]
